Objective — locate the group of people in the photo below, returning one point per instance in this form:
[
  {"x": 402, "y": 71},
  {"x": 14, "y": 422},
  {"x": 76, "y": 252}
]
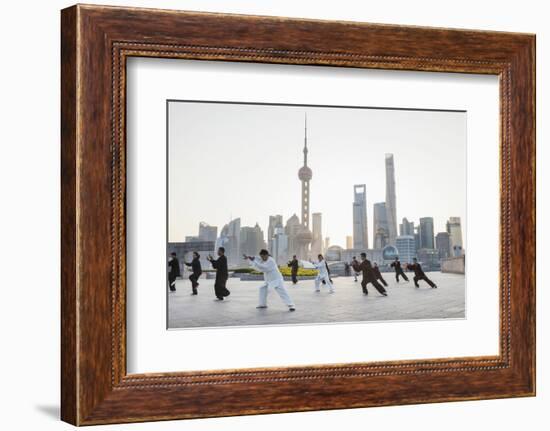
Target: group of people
[{"x": 274, "y": 279}]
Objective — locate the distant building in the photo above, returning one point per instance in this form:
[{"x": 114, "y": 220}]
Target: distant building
[
  {"x": 454, "y": 229},
  {"x": 360, "y": 228},
  {"x": 192, "y": 239},
  {"x": 279, "y": 246},
  {"x": 426, "y": 232},
  {"x": 380, "y": 225},
  {"x": 230, "y": 237},
  {"x": 207, "y": 232},
  {"x": 406, "y": 247},
  {"x": 443, "y": 244},
  {"x": 316, "y": 227},
  {"x": 327, "y": 243},
  {"x": 406, "y": 227},
  {"x": 334, "y": 253},
  {"x": 275, "y": 221},
  {"x": 429, "y": 258},
  {"x": 251, "y": 240},
  {"x": 349, "y": 241},
  {"x": 391, "y": 212}
]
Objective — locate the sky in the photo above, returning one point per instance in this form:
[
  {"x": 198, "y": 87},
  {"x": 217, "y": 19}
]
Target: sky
[{"x": 241, "y": 160}]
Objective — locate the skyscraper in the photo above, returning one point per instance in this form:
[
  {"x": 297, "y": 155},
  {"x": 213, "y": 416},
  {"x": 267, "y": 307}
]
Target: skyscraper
[
  {"x": 207, "y": 232},
  {"x": 230, "y": 238},
  {"x": 406, "y": 227},
  {"x": 360, "y": 228},
  {"x": 274, "y": 222},
  {"x": 349, "y": 242},
  {"x": 390, "y": 199},
  {"x": 317, "y": 242},
  {"x": 303, "y": 237},
  {"x": 406, "y": 247},
  {"x": 279, "y": 246},
  {"x": 454, "y": 229},
  {"x": 380, "y": 225},
  {"x": 251, "y": 240},
  {"x": 426, "y": 232},
  {"x": 443, "y": 244}
]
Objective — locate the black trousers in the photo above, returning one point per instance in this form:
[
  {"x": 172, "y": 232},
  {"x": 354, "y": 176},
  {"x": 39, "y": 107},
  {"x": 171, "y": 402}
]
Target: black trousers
[
  {"x": 375, "y": 283},
  {"x": 423, "y": 277},
  {"x": 219, "y": 288},
  {"x": 383, "y": 281},
  {"x": 398, "y": 273},
  {"x": 194, "y": 279},
  {"x": 172, "y": 282},
  {"x": 294, "y": 276}
]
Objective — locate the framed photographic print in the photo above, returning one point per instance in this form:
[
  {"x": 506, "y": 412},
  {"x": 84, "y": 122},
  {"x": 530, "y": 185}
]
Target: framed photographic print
[{"x": 292, "y": 215}]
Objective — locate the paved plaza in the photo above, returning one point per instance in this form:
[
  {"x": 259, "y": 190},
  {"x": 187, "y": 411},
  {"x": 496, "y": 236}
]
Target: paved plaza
[{"x": 347, "y": 304}]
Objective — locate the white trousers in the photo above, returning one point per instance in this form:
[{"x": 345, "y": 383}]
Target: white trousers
[
  {"x": 280, "y": 289},
  {"x": 318, "y": 281}
]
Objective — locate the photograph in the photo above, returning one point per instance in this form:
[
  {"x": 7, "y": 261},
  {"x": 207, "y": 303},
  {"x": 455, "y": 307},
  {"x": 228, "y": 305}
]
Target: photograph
[{"x": 284, "y": 214}]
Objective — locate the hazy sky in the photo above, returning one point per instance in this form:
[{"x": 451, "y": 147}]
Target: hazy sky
[{"x": 242, "y": 160}]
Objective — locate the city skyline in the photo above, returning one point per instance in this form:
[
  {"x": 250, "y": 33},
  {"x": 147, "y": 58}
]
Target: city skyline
[{"x": 428, "y": 131}]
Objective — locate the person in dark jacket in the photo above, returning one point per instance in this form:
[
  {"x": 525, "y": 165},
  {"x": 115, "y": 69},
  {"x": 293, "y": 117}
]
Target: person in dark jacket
[
  {"x": 353, "y": 264},
  {"x": 195, "y": 266},
  {"x": 293, "y": 265},
  {"x": 368, "y": 275},
  {"x": 419, "y": 274},
  {"x": 398, "y": 270},
  {"x": 174, "y": 265},
  {"x": 378, "y": 274},
  {"x": 222, "y": 274}
]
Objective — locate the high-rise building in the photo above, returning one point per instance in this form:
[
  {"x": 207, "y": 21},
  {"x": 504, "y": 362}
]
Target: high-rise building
[
  {"x": 426, "y": 231},
  {"x": 390, "y": 199},
  {"x": 317, "y": 242},
  {"x": 454, "y": 230},
  {"x": 349, "y": 242},
  {"x": 275, "y": 221},
  {"x": 360, "y": 228},
  {"x": 443, "y": 244},
  {"x": 327, "y": 243},
  {"x": 207, "y": 232},
  {"x": 380, "y": 225},
  {"x": 406, "y": 247},
  {"x": 429, "y": 258},
  {"x": 229, "y": 238},
  {"x": 251, "y": 240},
  {"x": 304, "y": 237},
  {"x": 279, "y": 246},
  {"x": 406, "y": 227}
]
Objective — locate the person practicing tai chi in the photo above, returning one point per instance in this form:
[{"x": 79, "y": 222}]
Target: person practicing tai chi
[
  {"x": 323, "y": 276},
  {"x": 419, "y": 274},
  {"x": 174, "y": 265},
  {"x": 354, "y": 263},
  {"x": 368, "y": 276},
  {"x": 398, "y": 270},
  {"x": 222, "y": 274},
  {"x": 378, "y": 274},
  {"x": 293, "y": 265},
  {"x": 272, "y": 278},
  {"x": 195, "y": 266}
]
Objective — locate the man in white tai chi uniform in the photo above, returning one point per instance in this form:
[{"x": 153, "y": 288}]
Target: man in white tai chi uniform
[
  {"x": 272, "y": 278},
  {"x": 323, "y": 275}
]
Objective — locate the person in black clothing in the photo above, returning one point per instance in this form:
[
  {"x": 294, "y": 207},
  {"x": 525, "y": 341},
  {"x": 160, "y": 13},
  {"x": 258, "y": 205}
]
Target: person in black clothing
[
  {"x": 293, "y": 265},
  {"x": 347, "y": 270},
  {"x": 174, "y": 265},
  {"x": 222, "y": 274},
  {"x": 398, "y": 270},
  {"x": 368, "y": 275},
  {"x": 197, "y": 271},
  {"x": 378, "y": 274},
  {"x": 419, "y": 274},
  {"x": 353, "y": 264}
]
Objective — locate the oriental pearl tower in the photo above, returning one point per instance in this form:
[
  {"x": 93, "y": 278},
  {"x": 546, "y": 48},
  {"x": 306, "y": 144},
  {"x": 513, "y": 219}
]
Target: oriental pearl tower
[{"x": 304, "y": 236}]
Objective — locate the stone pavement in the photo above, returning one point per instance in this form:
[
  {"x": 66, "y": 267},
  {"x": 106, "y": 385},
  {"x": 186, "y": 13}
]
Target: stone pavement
[{"x": 347, "y": 304}]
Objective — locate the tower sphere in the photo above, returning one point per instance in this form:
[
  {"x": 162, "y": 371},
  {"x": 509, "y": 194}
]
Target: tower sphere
[{"x": 305, "y": 173}]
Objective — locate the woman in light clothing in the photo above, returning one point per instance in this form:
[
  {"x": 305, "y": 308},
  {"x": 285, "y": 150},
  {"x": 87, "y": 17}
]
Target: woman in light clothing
[
  {"x": 272, "y": 278},
  {"x": 323, "y": 276}
]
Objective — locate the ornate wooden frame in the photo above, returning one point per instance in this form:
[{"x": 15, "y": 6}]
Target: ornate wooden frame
[{"x": 95, "y": 43}]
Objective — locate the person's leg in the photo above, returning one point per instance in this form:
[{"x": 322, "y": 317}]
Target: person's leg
[
  {"x": 364, "y": 286},
  {"x": 225, "y": 290},
  {"x": 397, "y": 276},
  {"x": 430, "y": 282},
  {"x": 355, "y": 276},
  {"x": 415, "y": 279},
  {"x": 330, "y": 285},
  {"x": 317, "y": 284},
  {"x": 383, "y": 281},
  {"x": 404, "y": 275},
  {"x": 283, "y": 294},
  {"x": 218, "y": 289},
  {"x": 379, "y": 287},
  {"x": 193, "y": 280},
  {"x": 172, "y": 283},
  {"x": 262, "y": 297},
  {"x": 294, "y": 278}
]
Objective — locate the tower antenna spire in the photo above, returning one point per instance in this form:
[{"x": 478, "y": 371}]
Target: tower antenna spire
[{"x": 305, "y": 139}]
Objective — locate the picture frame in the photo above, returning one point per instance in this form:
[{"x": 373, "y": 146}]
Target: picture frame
[{"x": 96, "y": 42}]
